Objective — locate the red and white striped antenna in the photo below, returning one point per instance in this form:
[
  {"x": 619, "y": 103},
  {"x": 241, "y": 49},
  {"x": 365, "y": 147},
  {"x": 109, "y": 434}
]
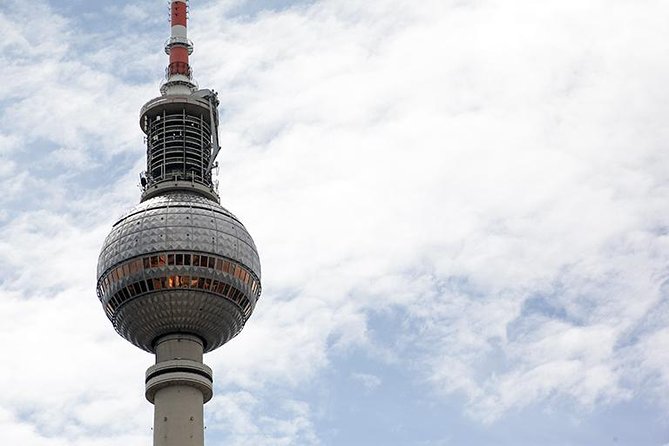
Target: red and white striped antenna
[{"x": 179, "y": 76}]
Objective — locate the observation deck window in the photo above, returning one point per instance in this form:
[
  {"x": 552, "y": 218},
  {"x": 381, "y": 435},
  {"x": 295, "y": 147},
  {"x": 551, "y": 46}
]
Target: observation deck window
[{"x": 137, "y": 266}]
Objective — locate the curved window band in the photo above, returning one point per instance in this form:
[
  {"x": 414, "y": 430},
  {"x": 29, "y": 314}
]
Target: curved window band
[
  {"x": 140, "y": 264},
  {"x": 210, "y": 285}
]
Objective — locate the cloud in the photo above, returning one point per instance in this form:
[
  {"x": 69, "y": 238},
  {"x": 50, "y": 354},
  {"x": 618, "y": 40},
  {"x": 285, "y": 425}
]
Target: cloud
[
  {"x": 368, "y": 381},
  {"x": 476, "y": 153},
  {"x": 246, "y": 420}
]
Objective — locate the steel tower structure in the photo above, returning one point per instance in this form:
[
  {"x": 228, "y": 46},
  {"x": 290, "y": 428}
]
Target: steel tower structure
[{"x": 179, "y": 275}]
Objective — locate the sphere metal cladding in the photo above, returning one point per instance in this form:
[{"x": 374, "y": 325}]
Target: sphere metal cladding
[{"x": 178, "y": 263}]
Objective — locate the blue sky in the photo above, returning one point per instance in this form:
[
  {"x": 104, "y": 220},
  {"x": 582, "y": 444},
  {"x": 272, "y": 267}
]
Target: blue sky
[{"x": 460, "y": 208}]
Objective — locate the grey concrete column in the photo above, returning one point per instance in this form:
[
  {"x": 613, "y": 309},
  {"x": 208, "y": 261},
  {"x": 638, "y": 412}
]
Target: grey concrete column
[{"x": 178, "y": 385}]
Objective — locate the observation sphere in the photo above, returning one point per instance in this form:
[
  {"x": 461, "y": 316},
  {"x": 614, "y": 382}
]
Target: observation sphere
[{"x": 178, "y": 263}]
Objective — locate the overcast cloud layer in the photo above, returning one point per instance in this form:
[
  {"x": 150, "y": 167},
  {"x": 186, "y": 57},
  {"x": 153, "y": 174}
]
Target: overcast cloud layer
[{"x": 460, "y": 208}]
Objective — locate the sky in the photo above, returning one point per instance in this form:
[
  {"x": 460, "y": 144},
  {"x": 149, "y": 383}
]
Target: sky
[{"x": 460, "y": 208}]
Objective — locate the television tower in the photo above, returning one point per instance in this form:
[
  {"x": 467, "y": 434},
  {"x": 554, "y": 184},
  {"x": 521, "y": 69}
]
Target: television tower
[{"x": 179, "y": 275}]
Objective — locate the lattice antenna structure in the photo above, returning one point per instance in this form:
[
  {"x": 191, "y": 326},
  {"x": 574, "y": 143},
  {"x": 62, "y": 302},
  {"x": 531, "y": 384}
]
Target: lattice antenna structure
[{"x": 179, "y": 275}]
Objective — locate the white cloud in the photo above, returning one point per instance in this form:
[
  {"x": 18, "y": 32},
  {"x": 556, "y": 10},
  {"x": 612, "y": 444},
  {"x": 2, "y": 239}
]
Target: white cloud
[
  {"x": 245, "y": 420},
  {"x": 497, "y": 152},
  {"x": 369, "y": 382}
]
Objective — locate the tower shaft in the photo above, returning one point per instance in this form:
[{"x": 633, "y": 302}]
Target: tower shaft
[{"x": 178, "y": 385}]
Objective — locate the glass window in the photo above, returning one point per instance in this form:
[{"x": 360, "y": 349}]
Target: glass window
[
  {"x": 171, "y": 281},
  {"x": 196, "y": 260},
  {"x": 180, "y": 259},
  {"x": 156, "y": 284},
  {"x": 154, "y": 261},
  {"x": 142, "y": 286},
  {"x": 187, "y": 259},
  {"x": 207, "y": 284},
  {"x": 194, "y": 282},
  {"x": 214, "y": 285},
  {"x": 219, "y": 264},
  {"x": 226, "y": 267},
  {"x": 147, "y": 262},
  {"x": 212, "y": 262},
  {"x": 161, "y": 260},
  {"x": 170, "y": 259},
  {"x": 126, "y": 270}
]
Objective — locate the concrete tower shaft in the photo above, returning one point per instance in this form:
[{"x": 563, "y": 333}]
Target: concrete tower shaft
[{"x": 178, "y": 385}]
